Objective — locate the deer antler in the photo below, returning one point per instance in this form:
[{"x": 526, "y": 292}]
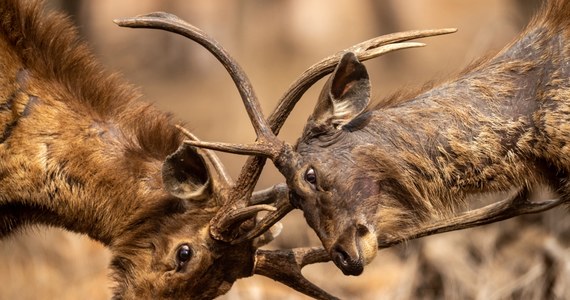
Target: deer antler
[
  {"x": 287, "y": 264},
  {"x": 281, "y": 153},
  {"x": 269, "y": 146},
  {"x": 238, "y": 208}
]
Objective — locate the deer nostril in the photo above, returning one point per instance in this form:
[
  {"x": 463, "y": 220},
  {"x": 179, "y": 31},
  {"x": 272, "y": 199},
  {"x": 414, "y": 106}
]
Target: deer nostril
[
  {"x": 340, "y": 256},
  {"x": 362, "y": 230}
]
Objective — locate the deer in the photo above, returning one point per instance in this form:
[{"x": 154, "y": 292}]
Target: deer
[
  {"x": 79, "y": 150},
  {"x": 369, "y": 176}
]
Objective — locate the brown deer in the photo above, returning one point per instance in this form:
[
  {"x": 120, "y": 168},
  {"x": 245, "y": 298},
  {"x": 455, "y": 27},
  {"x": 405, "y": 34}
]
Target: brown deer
[
  {"x": 79, "y": 151},
  {"x": 368, "y": 176}
]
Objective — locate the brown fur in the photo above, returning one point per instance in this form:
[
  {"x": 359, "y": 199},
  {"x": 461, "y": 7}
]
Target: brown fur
[
  {"x": 501, "y": 124},
  {"x": 78, "y": 150},
  {"x": 79, "y": 133}
]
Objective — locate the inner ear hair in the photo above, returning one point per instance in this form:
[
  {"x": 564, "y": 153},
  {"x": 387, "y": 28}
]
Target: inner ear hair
[{"x": 349, "y": 90}]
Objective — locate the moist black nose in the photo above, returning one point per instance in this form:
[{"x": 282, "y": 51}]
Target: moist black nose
[{"x": 347, "y": 264}]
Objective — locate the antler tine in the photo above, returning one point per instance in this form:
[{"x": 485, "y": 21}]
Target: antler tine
[
  {"x": 259, "y": 148},
  {"x": 397, "y": 37},
  {"x": 169, "y": 22},
  {"x": 285, "y": 266}
]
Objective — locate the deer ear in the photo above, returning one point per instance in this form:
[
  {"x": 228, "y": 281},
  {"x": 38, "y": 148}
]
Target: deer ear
[
  {"x": 345, "y": 95},
  {"x": 185, "y": 174}
]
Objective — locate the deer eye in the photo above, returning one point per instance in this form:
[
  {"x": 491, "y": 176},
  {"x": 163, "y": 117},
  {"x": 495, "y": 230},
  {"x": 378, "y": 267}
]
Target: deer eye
[
  {"x": 183, "y": 255},
  {"x": 311, "y": 176}
]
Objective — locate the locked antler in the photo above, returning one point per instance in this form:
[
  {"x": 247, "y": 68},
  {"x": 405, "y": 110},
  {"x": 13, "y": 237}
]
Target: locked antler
[
  {"x": 281, "y": 265},
  {"x": 267, "y": 145},
  {"x": 285, "y": 265}
]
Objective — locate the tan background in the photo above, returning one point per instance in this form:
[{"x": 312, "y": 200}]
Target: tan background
[{"x": 275, "y": 41}]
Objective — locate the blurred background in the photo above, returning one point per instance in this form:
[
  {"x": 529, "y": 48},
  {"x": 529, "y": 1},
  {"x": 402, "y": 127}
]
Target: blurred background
[{"x": 274, "y": 41}]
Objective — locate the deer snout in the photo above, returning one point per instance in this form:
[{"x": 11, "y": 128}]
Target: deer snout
[
  {"x": 354, "y": 249},
  {"x": 348, "y": 261}
]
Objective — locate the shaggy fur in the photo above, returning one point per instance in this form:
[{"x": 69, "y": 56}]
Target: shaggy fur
[{"x": 59, "y": 104}]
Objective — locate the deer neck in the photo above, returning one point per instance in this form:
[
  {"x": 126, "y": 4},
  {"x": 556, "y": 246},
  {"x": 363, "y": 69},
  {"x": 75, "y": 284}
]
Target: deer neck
[
  {"x": 478, "y": 133},
  {"x": 77, "y": 149},
  {"x": 67, "y": 165}
]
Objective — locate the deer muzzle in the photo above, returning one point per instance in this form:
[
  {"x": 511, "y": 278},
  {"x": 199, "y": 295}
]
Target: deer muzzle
[{"x": 354, "y": 249}]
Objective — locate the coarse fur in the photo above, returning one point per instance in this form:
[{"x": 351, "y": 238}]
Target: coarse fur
[
  {"x": 50, "y": 77},
  {"x": 79, "y": 150},
  {"x": 500, "y": 125}
]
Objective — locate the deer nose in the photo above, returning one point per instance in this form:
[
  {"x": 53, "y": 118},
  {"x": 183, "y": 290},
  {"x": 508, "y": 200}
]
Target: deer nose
[
  {"x": 348, "y": 262},
  {"x": 346, "y": 252}
]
